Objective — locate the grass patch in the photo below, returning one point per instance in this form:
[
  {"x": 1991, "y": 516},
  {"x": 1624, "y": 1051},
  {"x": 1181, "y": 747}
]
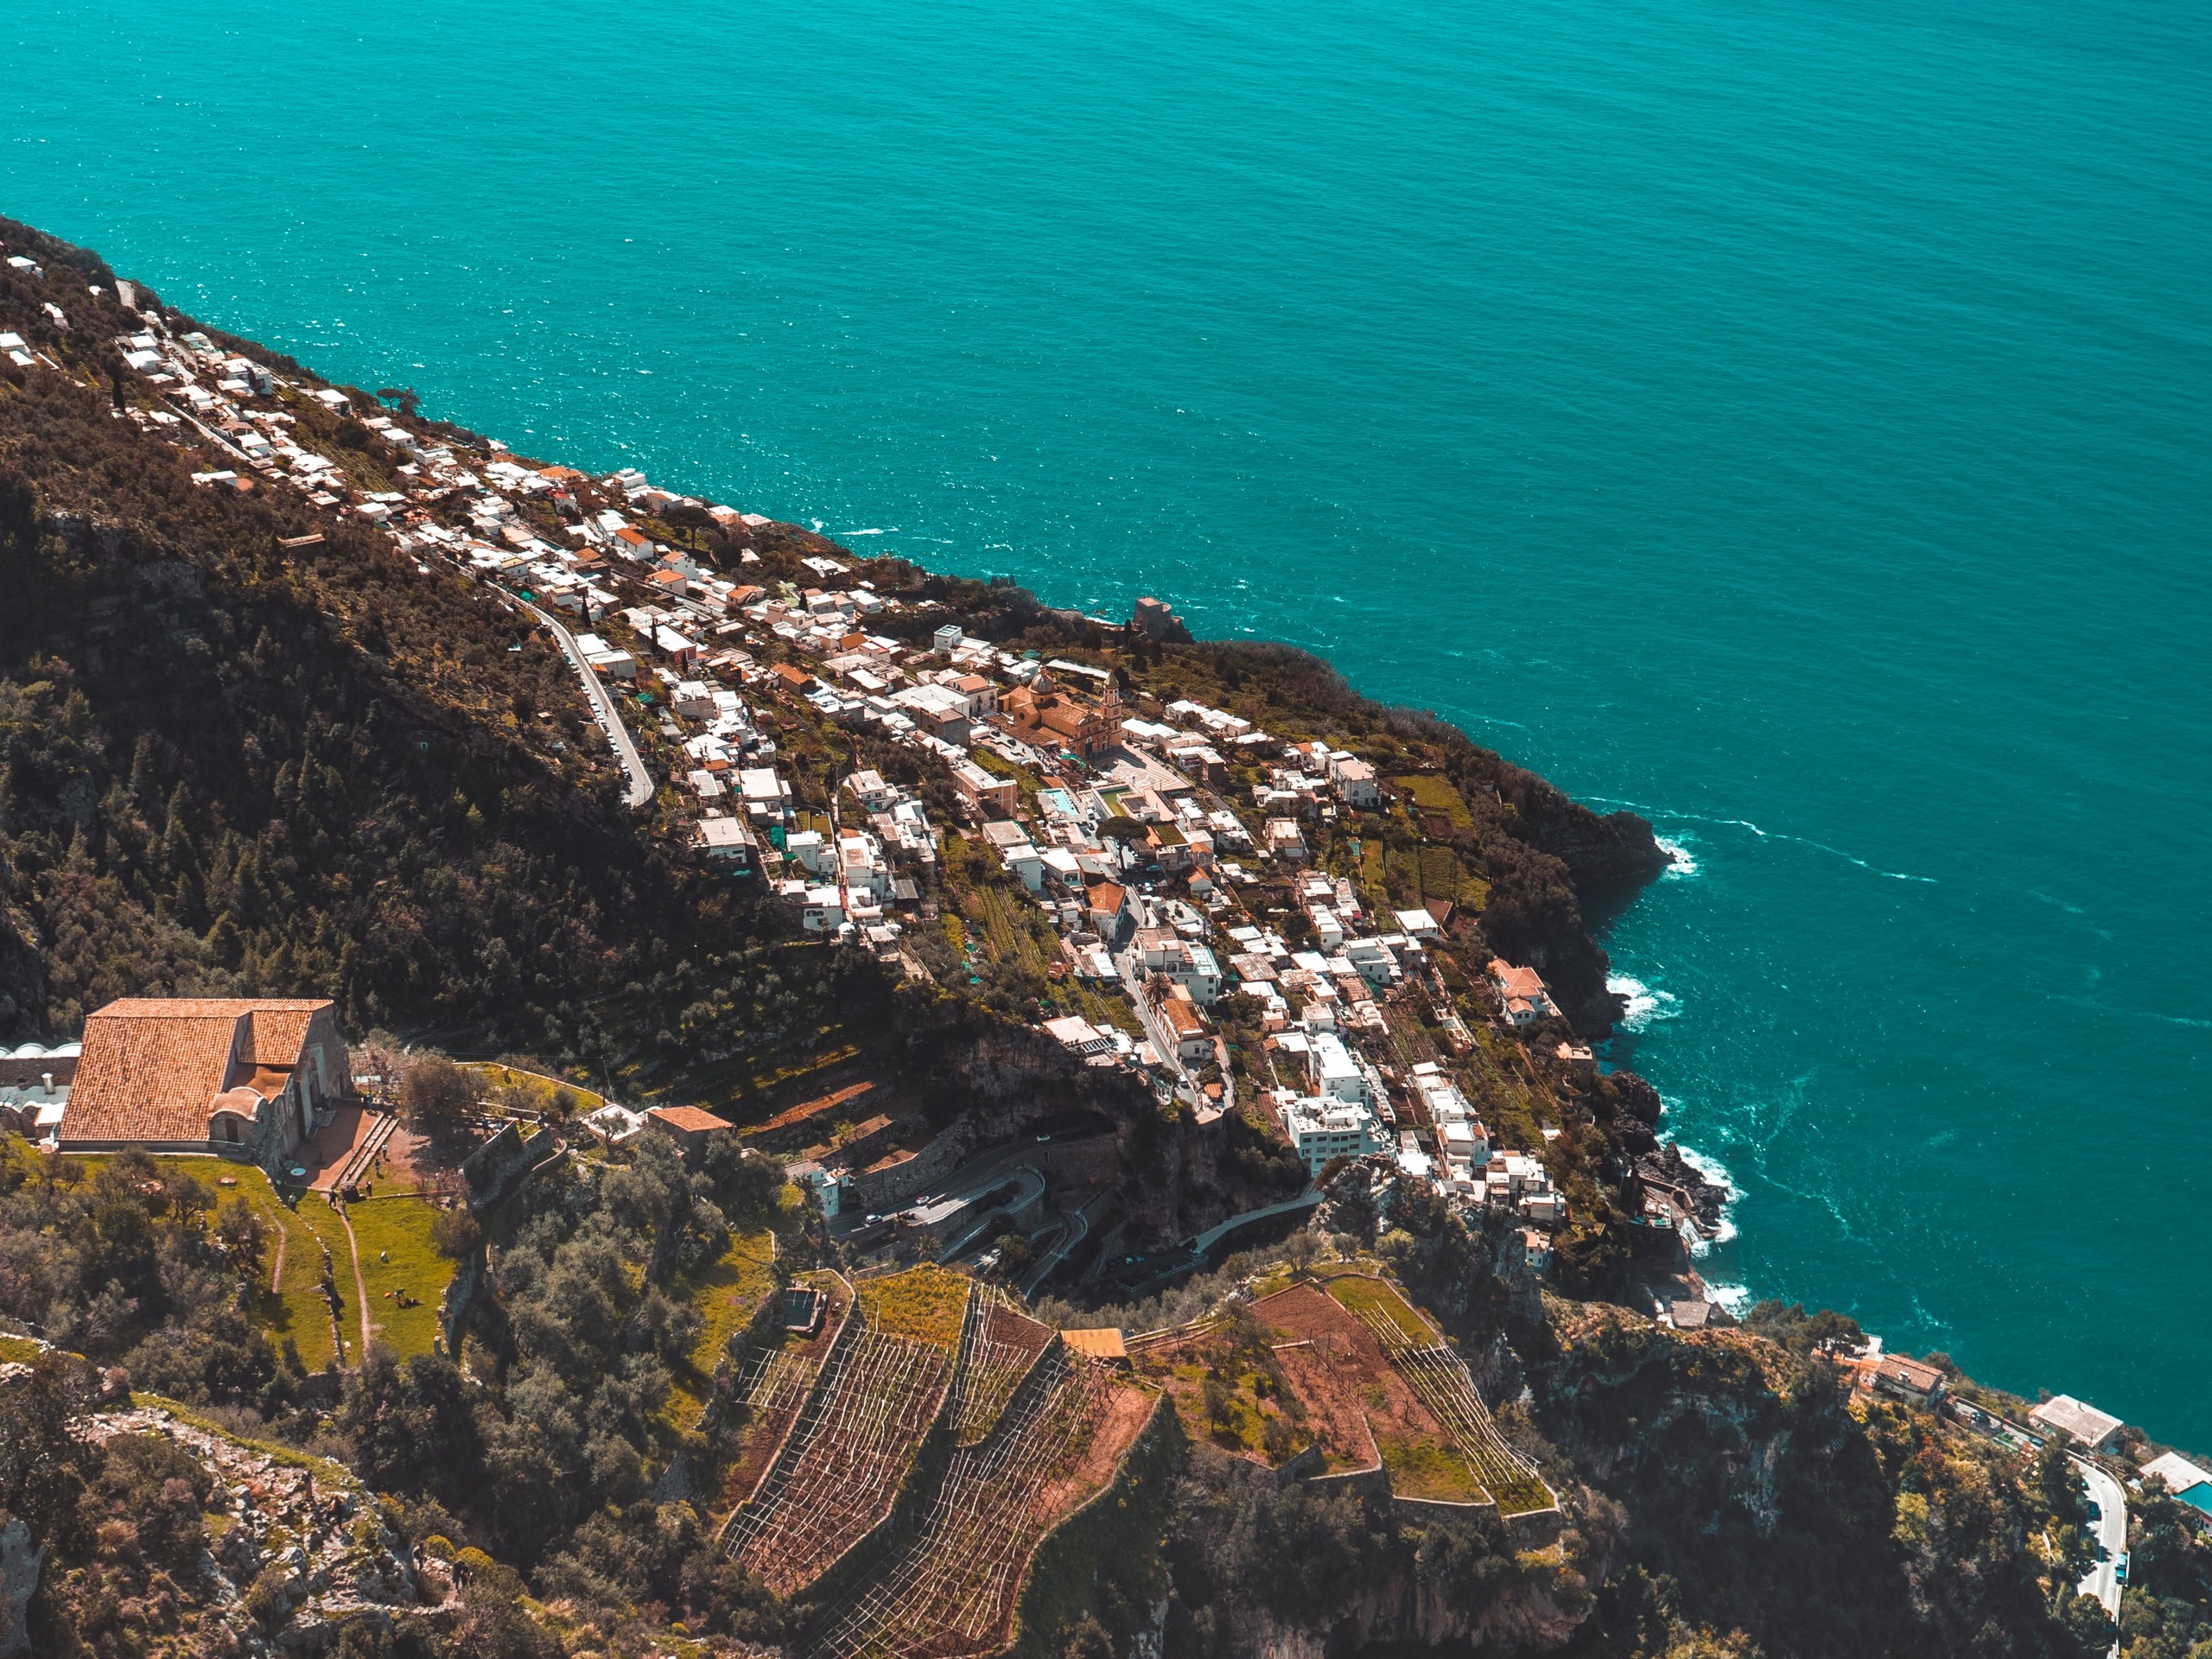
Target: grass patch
[
  {"x": 321, "y": 1227},
  {"x": 727, "y": 1293},
  {"x": 925, "y": 1303},
  {"x": 1425, "y": 1469},
  {"x": 1431, "y": 794},
  {"x": 539, "y": 1088},
  {"x": 393, "y": 1233},
  {"x": 1361, "y": 1295}
]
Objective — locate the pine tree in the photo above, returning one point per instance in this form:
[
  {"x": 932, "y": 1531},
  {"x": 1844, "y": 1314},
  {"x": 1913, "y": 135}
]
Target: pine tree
[{"x": 144, "y": 784}]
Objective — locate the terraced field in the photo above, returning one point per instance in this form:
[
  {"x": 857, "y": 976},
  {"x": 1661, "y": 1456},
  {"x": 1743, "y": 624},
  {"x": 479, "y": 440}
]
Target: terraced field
[
  {"x": 880, "y": 1389},
  {"x": 950, "y": 1593}
]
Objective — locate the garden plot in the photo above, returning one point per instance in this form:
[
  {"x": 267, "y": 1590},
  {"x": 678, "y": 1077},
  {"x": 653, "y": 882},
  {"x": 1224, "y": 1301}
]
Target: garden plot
[
  {"x": 773, "y": 1383},
  {"x": 1361, "y": 1408},
  {"x": 1440, "y": 1378}
]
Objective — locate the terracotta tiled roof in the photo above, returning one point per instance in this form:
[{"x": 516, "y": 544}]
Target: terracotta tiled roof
[
  {"x": 279, "y": 1031},
  {"x": 1516, "y": 981},
  {"x": 1182, "y": 1018},
  {"x": 152, "y": 1066},
  {"x": 689, "y": 1118}
]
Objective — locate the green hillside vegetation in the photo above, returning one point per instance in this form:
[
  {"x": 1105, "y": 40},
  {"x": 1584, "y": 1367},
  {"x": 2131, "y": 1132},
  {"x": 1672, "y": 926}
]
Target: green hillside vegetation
[
  {"x": 726, "y": 1295},
  {"x": 926, "y": 1304}
]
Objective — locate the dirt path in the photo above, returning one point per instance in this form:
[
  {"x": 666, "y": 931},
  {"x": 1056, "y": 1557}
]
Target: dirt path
[
  {"x": 360, "y": 1285},
  {"x": 276, "y": 1273}
]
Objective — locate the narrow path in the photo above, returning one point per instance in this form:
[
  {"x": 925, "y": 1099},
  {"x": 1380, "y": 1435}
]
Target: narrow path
[
  {"x": 276, "y": 1273},
  {"x": 603, "y": 705},
  {"x": 360, "y": 1285}
]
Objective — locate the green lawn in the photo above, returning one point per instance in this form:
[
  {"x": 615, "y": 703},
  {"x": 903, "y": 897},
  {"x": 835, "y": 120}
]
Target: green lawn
[
  {"x": 1434, "y": 794},
  {"x": 541, "y": 1089},
  {"x": 295, "y": 1308},
  {"x": 393, "y": 1233},
  {"x": 320, "y": 1224},
  {"x": 1426, "y": 1469},
  {"x": 1365, "y": 1295},
  {"x": 926, "y": 1303}
]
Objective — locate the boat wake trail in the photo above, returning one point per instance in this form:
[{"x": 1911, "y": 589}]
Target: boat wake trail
[{"x": 1763, "y": 835}]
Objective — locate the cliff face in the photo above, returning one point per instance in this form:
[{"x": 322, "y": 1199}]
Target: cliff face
[
  {"x": 992, "y": 1081},
  {"x": 1777, "y": 1504},
  {"x": 1402, "y": 1611}
]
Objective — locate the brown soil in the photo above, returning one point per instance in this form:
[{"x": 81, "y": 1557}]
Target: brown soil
[
  {"x": 765, "y": 1434},
  {"x": 1343, "y": 1378},
  {"x": 819, "y": 1105},
  {"x": 1128, "y": 1408}
]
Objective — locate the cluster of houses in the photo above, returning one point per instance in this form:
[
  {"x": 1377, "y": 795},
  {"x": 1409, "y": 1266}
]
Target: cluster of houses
[{"x": 1124, "y": 799}]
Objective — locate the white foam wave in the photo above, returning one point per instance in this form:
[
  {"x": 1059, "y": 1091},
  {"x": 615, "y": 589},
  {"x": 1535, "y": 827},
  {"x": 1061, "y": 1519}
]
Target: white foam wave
[
  {"x": 1644, "y": 1004},
  {"x": 1734, "y": 1298},
  {"x": 1680, "y": 861},
  {"x": 1763, "y": 835},
  {"x": 859, "y": 532},
  {"x": 1715, "y": 1174}
]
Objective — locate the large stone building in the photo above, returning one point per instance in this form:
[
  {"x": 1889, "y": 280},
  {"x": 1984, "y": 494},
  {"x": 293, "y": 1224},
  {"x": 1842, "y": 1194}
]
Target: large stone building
[
  {"x": 1044, "y": 714},
  {"x": 248, "y": 1078}
]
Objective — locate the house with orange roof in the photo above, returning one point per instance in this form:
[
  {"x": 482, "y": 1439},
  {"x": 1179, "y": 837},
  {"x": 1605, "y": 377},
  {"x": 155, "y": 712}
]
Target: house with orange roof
[
  {"x": 1521, "y": 992},
  {"x": 689, "y": 1127},
  {"x": 246, "y": 1077}
]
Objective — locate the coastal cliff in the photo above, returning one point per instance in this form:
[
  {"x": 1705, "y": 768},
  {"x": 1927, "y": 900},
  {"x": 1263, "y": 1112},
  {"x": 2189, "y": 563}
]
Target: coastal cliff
[{"x": 251, "y": 741}]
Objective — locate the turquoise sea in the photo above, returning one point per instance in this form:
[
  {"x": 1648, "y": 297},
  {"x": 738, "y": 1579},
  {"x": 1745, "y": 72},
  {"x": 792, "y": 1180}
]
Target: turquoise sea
[{"x": 1786, "y": 417}]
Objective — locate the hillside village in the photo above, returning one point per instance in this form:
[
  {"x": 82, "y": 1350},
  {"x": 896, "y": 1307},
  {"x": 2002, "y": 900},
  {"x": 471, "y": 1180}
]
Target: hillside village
[{"x": 1221, "y": 909}]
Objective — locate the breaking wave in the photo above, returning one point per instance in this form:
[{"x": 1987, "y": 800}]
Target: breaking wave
[
  {"x": 1644, "y": 1004},
  {"x": 1717, "y": 1173}
]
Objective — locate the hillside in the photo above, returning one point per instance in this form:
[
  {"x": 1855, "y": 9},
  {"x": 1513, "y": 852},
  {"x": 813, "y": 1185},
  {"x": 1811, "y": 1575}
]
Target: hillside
[{"x": 1049, "y": 944}]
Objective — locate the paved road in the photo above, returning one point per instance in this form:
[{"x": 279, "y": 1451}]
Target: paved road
[
  {"x": 1075, "y": 1227},
  {"x": 1213, "y": 1235},
  {"x": 640, "y": 788},
  {"x": 1029, "y": 1188},
  {"x": 2109, "y": 1527}
]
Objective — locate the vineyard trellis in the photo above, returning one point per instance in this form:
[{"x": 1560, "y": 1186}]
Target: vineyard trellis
[
  {"x": 998, "y": 1345},
  {"x": 839, "y": 1471},
  {"x": 950, "y": 1594},
  {"x": 1439, "y": 1379}
]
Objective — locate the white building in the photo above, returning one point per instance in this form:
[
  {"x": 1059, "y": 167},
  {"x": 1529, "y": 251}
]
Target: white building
[
  {"x": 870, "y": 791},
  {"x": 727, "y": 838},
  {"x": 1072, "y": 1031},
  {"x": 1355, "y": 780},
  {"x": 2083, "y": 1424},
  {"x": 1193, "y": 966},
  {"x": 1319, "y": 1129},
  {"x": 765, "y": 796},
  {"x": 1332, "y": 1072}
]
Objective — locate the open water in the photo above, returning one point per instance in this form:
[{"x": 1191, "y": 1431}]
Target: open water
[{"x": 1786, "y": 417}]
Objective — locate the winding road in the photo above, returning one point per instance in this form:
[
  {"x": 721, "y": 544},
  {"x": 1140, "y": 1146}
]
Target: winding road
[
  {"x": 640, "y": 788},
  {"x": 2109, "y": 1526}
]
